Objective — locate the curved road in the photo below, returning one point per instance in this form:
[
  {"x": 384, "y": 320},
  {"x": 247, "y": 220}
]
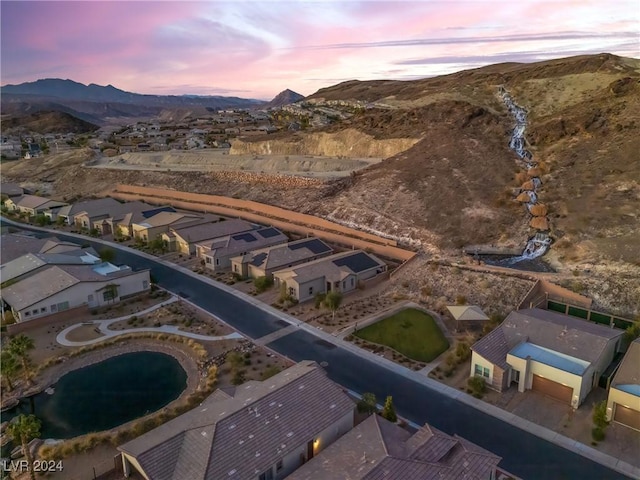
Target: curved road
[{"x": 523, "y": 453}]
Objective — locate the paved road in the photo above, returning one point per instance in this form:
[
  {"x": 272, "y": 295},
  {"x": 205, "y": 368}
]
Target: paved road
[{"x": 523, "y": 453}]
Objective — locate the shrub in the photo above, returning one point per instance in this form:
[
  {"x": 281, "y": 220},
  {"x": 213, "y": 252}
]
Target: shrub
[
  {"x": 262, "y": 283},
  {"x": 597, "y": 433},
  {"x": 463, "y": 351},
  {"x": 367, "y": 404},
  {"x": 461, "y": 300},
  {"x": 477, "y": 386},
  {"x": 600, "y": 415}
]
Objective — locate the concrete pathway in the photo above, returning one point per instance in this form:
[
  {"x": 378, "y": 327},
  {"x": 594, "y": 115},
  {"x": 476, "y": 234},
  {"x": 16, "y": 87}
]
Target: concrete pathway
[
  {"x": 107, "y": 333},
  {"x": 542, "y": 432}
]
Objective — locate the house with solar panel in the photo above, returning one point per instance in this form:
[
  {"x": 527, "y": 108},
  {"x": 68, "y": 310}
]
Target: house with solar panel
[
  {"x": 186, "y": 238},
  {"x": 557, "y": 355},
  {"x": 217, "y": 253},
  {"x": 259, "y": 431},
  {"x": 263, "y": 262},
  {"x": 340, "y": 272}
]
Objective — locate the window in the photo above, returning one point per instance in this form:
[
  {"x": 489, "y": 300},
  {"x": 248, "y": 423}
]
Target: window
[
  {"x": 27, "y": 314},
  {"x": 208, "y": 259},
  {"x": 43, "y": 309},
  {"x": 268, "y": 475},
  {"x": 344, "y": 285},
  {"x": 485, "y": 372},
  {"x": 63, "y": 306},
  {"x": 217, "y": 261},
  {"x": 90, "y": 298},
  {"x": 109, "y": 294},
  {"x": 292, "y": 291},
  {"x": 145, "y": 284},
  {"x": 279, "y": 465},
  {"x": 34, "y": 312},
  {"x": 352, "y": 281},
  {"x": 54, "y": 308},
  {"x": 477, "y": 370},
  {"x": 310, "y": 290}
]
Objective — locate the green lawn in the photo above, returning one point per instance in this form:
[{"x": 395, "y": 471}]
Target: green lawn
[{"x": 411, "y": 332}]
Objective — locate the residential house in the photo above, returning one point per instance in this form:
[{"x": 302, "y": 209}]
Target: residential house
[
  {"x": 380, "y": 450},
  {"x": 122, "y": 218},
  {"x": 218, "y": 254},
  {"x": 91, "y": 208},
  {"x": 62, "y": 287},
  {"x": 33, "y": 262},
  {"x": 15, "y": 245},
  {"x": 32, "y": 204},
  {"x": 195, "y": 239},
  {"x": 265, "y": 261},
  {"x": 341, "y": 272},
  {"x": 555, "y": 354},
  {"x": 261, "y": 431},
  {"x": 623, "y": 401},
  {"x": 153, "y": 227},
  {"x": 11, "y": 189}
]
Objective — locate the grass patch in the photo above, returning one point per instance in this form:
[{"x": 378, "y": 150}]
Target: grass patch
[{"x": 411, "y": 332}]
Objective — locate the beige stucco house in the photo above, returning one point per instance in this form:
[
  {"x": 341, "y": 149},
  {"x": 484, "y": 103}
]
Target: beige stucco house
[
  {"x": 91, "y": 210},
  {"x": 623, "y": 401},
  {"x": 63, "y": 287},
  {"x": 261, "y": 431},
  {"x": 187, "y": 239},
  {"x": 340, "y": 272},
  {"x": 32, "y": 204},
  {"x": 217, "y": 253},
  {"x": 151, "y": 228},
  {"x": 555, "y": 354},
  {"x": 263, "y": 262}
]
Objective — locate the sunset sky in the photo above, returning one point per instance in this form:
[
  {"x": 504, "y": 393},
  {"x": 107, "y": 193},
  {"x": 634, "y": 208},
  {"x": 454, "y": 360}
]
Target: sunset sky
[{"x": 256, "y": 49}]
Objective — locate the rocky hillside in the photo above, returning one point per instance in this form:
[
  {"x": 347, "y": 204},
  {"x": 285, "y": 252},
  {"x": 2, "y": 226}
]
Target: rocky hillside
[
  {"x": 285, "y": 97},
  {"x": 46, "y": 122},
  {"x": 449, "y": 177}
]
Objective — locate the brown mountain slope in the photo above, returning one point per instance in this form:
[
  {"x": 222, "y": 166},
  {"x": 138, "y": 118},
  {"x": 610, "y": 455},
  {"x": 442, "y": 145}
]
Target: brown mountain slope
[{"x": 46, "y": 122}]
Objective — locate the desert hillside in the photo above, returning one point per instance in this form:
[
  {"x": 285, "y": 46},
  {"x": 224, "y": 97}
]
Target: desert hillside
[{"x": 449, "y": 177}]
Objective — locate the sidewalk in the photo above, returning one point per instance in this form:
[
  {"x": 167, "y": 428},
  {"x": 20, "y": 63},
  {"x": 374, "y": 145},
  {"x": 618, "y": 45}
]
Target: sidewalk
[{"x": 544, "y": 433}]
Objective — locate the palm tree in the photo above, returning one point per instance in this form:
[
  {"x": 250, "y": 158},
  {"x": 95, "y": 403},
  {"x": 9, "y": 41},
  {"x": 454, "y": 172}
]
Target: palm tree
[
  {"x": 332, "y": 301},
  {"x": 9, "y": 366},
  {"x": 19, "y": 347},
  {"x": 22, "y": 430}
]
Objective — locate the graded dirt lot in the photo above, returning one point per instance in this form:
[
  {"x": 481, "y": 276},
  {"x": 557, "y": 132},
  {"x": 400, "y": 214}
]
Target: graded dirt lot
[{"x": 216, "y": 160}]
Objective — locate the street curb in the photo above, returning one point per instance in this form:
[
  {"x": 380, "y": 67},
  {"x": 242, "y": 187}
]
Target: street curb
[{"x": 508, "y": 417}]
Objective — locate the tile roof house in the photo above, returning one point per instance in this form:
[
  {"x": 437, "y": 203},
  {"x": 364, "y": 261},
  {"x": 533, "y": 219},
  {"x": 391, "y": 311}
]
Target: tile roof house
[
  {"x": 32, "y": 262},
  {"x": 32, "y": 204},
  {"x": 340, "y": 272},
  {"x": 93, "y": 209},
  {"x": 623, "y": 401},
  {"x": 218, "y": 253},
  {"x": 264, "y": 431},
  {"x": 122, "y": 218},
  {"x": 150, "y": 228},
  {"x": 191, "y": 240},
  {"x": 379, "y": 450},
  {"x": 60, "y": 287},
  {"x": 265, "y": 261},
  {"x": 558, "y": 355}
]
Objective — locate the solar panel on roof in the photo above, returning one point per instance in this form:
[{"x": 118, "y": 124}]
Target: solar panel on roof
[
  {"x": 313, "y": 244},
  {"x": 258, "y": 259},
  {"x": 358, "y": 262},
  {"x": 268, "y": 232},
  {"x": 155, "y": 211},
  {"x": 247, "y": 237}
]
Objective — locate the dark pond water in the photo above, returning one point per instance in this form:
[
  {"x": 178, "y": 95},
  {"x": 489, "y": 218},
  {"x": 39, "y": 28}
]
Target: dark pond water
[{"x": 106, "y": 394}]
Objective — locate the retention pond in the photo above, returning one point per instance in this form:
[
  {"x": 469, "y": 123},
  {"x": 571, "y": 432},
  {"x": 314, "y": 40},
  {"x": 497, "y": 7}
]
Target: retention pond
[{"x": 106, "y": 394}]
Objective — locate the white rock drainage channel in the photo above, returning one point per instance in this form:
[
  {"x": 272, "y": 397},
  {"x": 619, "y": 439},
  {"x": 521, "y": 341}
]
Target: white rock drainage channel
[{"x": 540, "y": 242}]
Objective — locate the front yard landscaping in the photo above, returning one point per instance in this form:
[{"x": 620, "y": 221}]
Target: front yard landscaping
[{"x": 411, "y": 332}]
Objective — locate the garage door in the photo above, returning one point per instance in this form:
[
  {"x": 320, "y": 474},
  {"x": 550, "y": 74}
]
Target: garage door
[
  {"x": 627, "y": 416},
  {"x": 553, "y": 389}
]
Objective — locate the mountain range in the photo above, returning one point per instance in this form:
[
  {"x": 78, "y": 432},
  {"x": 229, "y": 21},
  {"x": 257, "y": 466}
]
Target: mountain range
[{"x": 106, "y": 104}]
